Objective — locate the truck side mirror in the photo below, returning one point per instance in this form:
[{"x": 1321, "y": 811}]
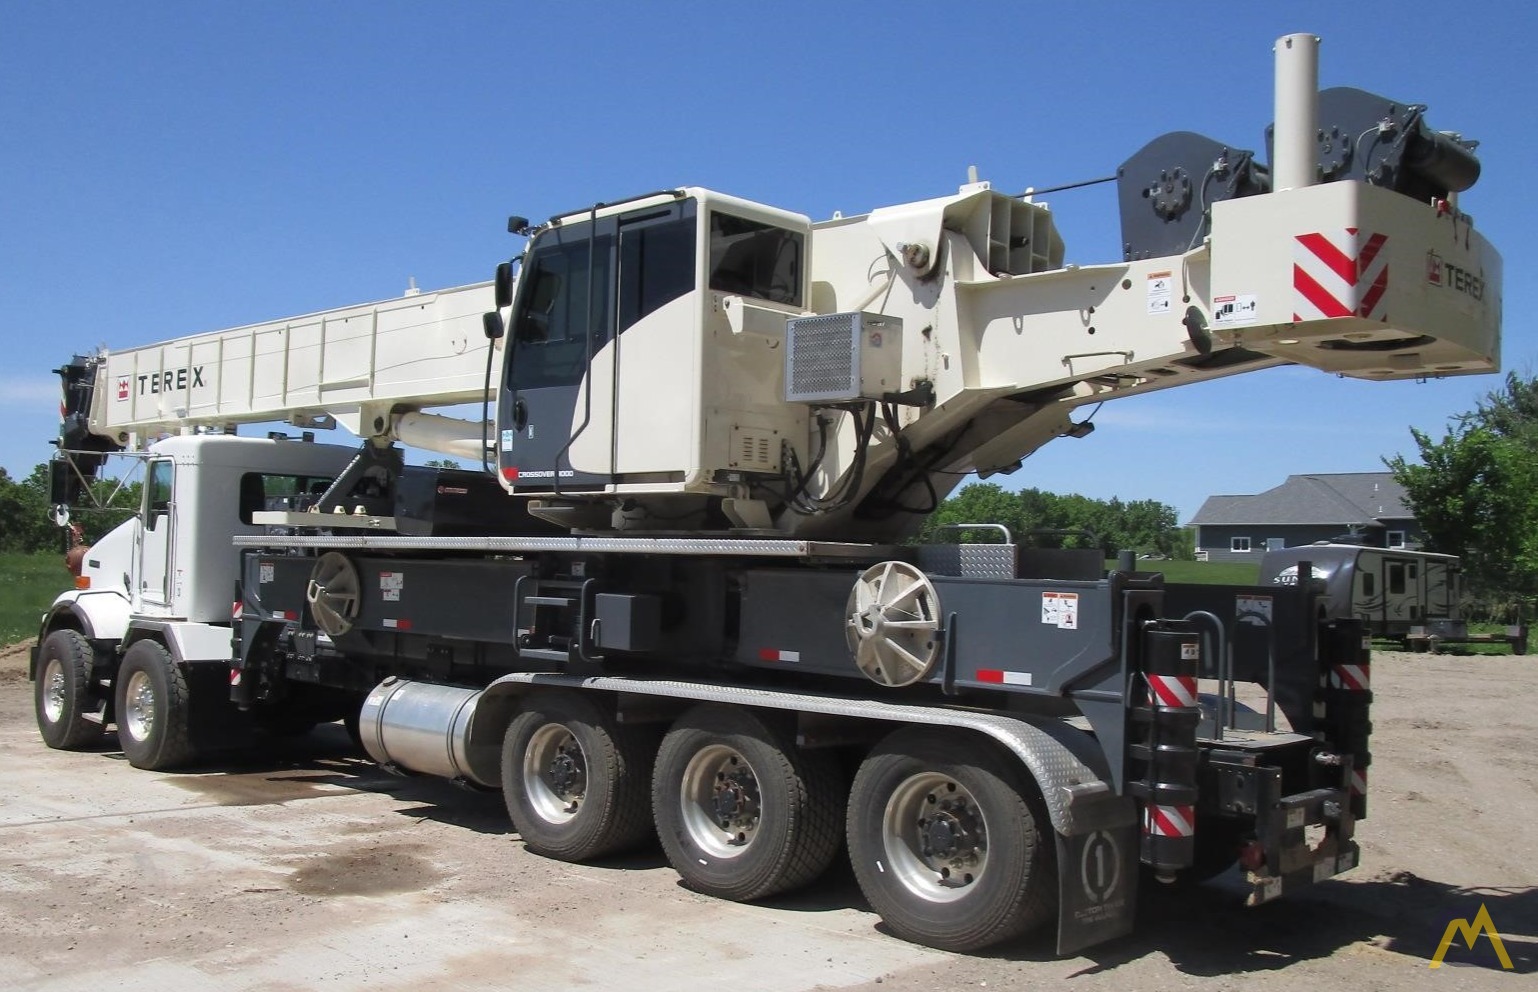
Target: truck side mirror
[
  {"x": 64, "y": 486},
  {"x": 491, "y": 323},
  {"x": 503, "y": 285}
]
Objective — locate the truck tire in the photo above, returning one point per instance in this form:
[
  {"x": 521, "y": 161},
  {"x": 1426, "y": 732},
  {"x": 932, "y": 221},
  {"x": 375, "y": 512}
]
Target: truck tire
[
  {"x": 153, "y": 708},
  {"x": 63, "y": 691},
  {"x": 946, "y": 840},
  {"x": 741, "y": 811},
  {"x": 574, "y": 779}
]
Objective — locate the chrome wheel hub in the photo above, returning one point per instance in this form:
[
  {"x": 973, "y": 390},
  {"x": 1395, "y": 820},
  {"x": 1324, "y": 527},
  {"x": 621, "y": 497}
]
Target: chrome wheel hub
[
  {"x": 721, "y": 802},
  {"x": 555, "y": 773},
  {"x": 53, "y": 690},
  {"x": 139, "y": 706},
  {"x": 936, "y": 837}
]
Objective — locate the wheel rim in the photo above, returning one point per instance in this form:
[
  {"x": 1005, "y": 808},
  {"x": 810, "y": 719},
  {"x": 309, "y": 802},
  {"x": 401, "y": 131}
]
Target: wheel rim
[
  {"x": 936, "y": 837},
  {"x": 53, "y": 690},
  {"x": 554, "y": 773},
  {"x": 720, "y": 801},
  {"x": 139, "y": 706}
]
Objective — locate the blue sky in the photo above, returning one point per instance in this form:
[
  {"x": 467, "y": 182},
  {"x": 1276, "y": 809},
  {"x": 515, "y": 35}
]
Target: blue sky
[{"x": 168, "y": 168}]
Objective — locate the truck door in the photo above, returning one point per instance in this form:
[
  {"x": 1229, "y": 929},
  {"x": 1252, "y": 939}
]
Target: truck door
[{"x": 156, "y": 534}]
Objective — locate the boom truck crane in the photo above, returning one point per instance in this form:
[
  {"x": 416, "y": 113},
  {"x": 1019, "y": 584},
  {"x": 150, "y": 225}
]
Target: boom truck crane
[{"x": 677, "y": 601}]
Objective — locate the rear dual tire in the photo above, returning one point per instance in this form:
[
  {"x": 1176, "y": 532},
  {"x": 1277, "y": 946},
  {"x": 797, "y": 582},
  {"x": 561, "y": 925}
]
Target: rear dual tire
[
  {"x": 947, "y": 840},
  {"x": 742, "y": 812},
  {"x": 575, "y": 779}
]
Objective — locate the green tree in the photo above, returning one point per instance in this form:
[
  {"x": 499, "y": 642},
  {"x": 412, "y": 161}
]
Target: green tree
[
  {"x": 979, "y": 503},
  {"x": 25, "y": 525},
  {"x": 1145, "y": 526},
  {"x": 1475, "y": 492}
]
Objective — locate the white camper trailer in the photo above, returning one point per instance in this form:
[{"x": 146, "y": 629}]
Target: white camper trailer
[{"x": 1396, "y": 593}]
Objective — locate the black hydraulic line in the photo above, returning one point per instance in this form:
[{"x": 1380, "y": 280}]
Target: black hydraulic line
[{"x": 1078, "y": 185}]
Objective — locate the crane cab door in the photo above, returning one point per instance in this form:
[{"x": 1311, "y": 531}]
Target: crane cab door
[
  {"x": 561, "y": 319},
  {"x": 583, "y": 285},
  {"x": 156, "y": 536}
]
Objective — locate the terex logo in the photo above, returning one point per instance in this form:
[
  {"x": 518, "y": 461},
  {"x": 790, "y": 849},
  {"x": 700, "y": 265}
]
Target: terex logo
[
  {"x": 163, "y": 382},
  {"x": 1460, "y": 280}
]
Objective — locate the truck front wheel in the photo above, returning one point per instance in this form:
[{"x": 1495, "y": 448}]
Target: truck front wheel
[
  {"x": 944, "y": 839},
  {"x": 63, "y": 691},
  {"x": 153, "y": 709},
  {"x": 741, "y": 811},
  {"x": 575, "y": 779}
]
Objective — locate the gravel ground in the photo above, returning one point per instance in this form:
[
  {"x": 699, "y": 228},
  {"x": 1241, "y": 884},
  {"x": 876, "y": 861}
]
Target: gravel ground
[{"x": 309, "y": 868}]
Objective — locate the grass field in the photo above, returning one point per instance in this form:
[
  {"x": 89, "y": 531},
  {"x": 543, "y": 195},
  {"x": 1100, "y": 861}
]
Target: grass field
[
  {"x": 28, "y": 583},
  {"x": 1221, "y": 573}
]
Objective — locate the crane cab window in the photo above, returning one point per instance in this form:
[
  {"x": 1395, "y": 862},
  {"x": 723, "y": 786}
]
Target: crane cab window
[
  {"x": 748, "y": 258},
  {"x": 567, "y": 289},
  {"x": 572, "y": 301}
]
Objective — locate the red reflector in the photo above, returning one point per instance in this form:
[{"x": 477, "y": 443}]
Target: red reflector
[
  {"x": 510, "y": 473},
  {"x": 768, "y": 654},
  {"x": 990, "y": 675},
  {"x": 1253, "y": 856}
]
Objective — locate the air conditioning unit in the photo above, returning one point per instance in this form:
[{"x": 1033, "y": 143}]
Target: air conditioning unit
[{"x": 842, "y": 358}]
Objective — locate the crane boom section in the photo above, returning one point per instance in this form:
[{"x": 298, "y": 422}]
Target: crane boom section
[{"x": 358, "y": 364}]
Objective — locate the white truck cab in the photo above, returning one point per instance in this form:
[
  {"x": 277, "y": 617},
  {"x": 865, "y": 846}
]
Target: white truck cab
[{"x": 151, "y": 613}]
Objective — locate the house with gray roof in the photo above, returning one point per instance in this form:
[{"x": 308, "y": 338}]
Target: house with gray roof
[{"x": 1346, "y": 507}]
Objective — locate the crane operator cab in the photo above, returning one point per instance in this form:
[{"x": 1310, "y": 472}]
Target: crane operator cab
[{"x": 644, "y": 357}]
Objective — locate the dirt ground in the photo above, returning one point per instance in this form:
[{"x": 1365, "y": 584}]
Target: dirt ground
[{"x": 309, "y": 868}]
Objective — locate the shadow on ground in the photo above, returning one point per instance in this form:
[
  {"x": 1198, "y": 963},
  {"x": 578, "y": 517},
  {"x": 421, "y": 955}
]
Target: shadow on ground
[{"x": 1203, "y": 930}]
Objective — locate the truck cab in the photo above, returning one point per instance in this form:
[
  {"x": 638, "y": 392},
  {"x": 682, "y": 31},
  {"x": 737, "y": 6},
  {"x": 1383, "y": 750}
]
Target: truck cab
[{"x": 151, "y": 612}]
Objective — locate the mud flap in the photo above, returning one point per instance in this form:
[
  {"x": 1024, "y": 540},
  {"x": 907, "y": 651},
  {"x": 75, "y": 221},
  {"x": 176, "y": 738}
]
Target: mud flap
[{"x": 1097, "y": 886}]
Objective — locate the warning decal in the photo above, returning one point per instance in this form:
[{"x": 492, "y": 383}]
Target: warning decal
[
  {"x": 1060, "y": 609},
  {"x": 1232, "y": 311},
  {"x": 1253, "y": 608},
  {"x": 390, "y": 585},
  {"x": 1160, "y": 287}
]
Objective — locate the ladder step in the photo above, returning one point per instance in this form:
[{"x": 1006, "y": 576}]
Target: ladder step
[
  {"x": 543, "y": 654},
  {"x": 549, "y": 601}
]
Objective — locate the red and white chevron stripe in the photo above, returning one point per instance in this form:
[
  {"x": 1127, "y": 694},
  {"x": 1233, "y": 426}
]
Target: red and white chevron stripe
[
  {"x": 1171, "y": 690},
  {"x": 1358, "y": 782},
  {"x": 1356, "y": 678},
  {"x": 1170, "y": 821},
  {"x": 1341, "y": 273}
]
